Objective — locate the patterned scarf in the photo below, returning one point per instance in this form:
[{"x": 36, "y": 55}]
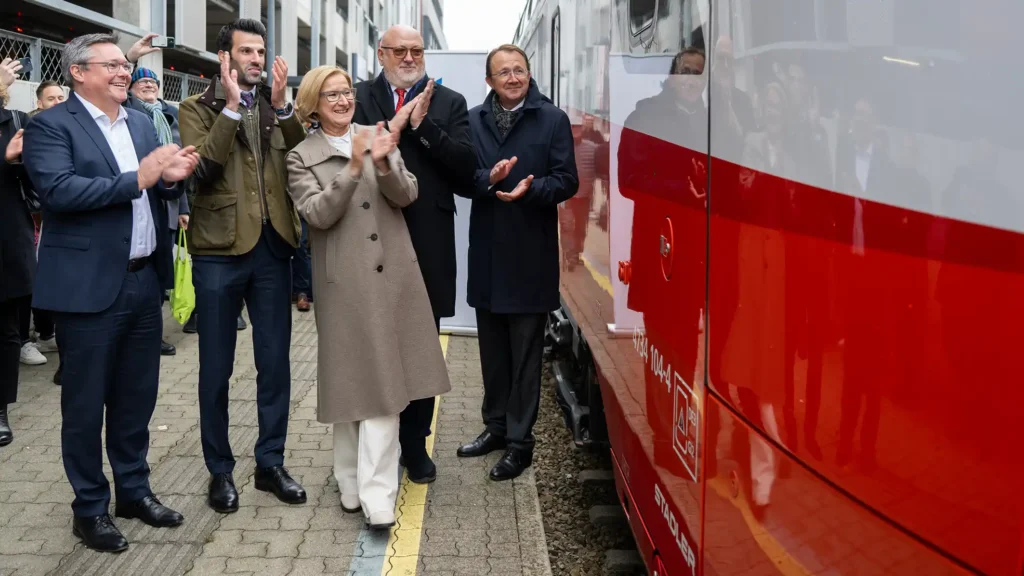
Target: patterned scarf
[
  {"x": 505, "y": 119},
  {"x": 163, "y": 129}
]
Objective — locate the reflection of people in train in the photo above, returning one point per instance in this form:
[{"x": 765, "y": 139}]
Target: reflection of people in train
[
  {"x": 971, "y": 299},
  {"x": 748, "y": 362},
  {"x": 806, "y": 277},
  {"x": 768, "y": 151},
  {"x": 808, "y": 139},
  {"x": 737, "y": 117},
  {"x": 661, "y": 140},
  {"x": 864, "y": 171},
  {"x": 662, "y": 160},
  {"x": 908, "y": 293},
  {"x": 574, "y": 213}
]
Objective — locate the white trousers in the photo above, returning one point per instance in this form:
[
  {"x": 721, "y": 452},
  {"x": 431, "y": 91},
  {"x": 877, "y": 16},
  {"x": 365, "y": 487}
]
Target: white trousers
[{"x": 366, "y": 462}]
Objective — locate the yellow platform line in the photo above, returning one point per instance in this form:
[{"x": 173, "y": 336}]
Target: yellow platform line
[
  {"x": 403, "y": 549},
  {"x": 603, "y": 281},
  {"x": 782, "y": 560}
]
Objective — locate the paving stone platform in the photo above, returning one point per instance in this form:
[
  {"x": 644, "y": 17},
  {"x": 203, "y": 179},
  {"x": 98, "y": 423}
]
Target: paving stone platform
[{"x": 460, "y": 524}]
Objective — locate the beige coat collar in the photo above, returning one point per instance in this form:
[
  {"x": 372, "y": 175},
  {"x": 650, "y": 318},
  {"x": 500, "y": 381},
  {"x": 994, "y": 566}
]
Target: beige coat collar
[{"x": 316, "y": 148}]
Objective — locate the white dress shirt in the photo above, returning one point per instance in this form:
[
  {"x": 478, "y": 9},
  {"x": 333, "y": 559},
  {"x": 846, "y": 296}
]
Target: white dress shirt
[
  {"x": 236, "y": 116},
  {"x": 863, "y": 167},
  {"x": 119, "y": 138},
  {"x": 394, "y": 95},
  {"x": 342, "y": 143}
]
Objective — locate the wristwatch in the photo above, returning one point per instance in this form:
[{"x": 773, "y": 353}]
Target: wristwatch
[{"x": 286, "y": 111}]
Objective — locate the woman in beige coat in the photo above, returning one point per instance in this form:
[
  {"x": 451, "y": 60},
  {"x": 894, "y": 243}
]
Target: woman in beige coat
[{"x": 378, "y": 343}]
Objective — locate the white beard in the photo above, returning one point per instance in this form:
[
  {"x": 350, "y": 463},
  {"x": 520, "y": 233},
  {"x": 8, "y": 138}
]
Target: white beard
[{"x": 401, "y": 80}]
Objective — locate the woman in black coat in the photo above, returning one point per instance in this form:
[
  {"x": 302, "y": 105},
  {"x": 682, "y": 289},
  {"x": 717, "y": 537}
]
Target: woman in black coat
[{"x": 17, "y": 257}]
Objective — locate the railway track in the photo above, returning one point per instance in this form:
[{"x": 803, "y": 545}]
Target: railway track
[{"x": 586, "y": 530}]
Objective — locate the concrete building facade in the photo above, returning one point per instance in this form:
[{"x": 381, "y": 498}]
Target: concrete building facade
[{"x": 307, "y": 33}]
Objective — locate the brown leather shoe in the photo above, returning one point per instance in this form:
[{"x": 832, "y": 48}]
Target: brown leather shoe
[{"x": 302, "y": 303}]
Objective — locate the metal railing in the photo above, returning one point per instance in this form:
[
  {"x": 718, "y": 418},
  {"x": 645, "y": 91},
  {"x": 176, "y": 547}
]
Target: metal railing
[
  {"x": 45, "y": 54},
  {"x": 178, "y": 86}
]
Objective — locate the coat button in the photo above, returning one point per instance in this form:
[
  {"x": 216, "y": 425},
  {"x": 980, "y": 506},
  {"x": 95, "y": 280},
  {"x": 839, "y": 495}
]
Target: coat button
[
  {"x": 366, "y": 205},
  {"x": 373, "y": 237},
  {"x": 126, "y": 239},
  {"x": 380, "y": 268}
]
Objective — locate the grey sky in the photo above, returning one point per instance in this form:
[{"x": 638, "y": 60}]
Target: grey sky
[{"x": 480, "y": 24}]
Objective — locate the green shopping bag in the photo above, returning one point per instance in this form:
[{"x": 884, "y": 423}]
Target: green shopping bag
[{"x": 183, "y": 298}]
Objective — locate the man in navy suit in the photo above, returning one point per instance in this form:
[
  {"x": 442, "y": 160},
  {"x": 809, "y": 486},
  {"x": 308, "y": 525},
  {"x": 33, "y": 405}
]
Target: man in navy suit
[{"x": 104, "y": 260}]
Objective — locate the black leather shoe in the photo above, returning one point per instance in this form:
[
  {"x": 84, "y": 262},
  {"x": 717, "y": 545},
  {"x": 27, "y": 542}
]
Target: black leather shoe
[
  {"x": 417, "y": 462},
  {"x": 484, "y": 444},
  {"x": 57, "y": 375},
  {"x": 6, "y": 434},
  {"x": 150, "y": 511},
  {"x": 191, "y": 325},
  {"x": 511, "y": 464},
  {"x": 422, "y": 470},
  {"x": 167, "y": 349},
  {"x": 276, "y": 479},
  {"x": 99, "y": 533},
  {"x": 223, "y": 495}
]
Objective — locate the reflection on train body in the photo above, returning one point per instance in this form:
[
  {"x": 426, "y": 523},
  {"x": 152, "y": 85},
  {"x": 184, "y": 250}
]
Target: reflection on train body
[{"x": 821, "y": 247}]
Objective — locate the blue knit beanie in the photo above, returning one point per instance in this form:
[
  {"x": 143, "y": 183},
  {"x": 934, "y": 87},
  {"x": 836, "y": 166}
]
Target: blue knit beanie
[{"x": 144, "y": 73}]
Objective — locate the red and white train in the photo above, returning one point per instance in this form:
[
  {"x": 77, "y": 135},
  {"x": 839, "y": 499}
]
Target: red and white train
[{"x": 793, "y": 277}]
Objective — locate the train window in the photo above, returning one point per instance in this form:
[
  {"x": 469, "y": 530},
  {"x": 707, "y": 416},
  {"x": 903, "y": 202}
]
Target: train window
[
  {"x": 641, "y": 15},
  {"x": 664, "y": 26}
]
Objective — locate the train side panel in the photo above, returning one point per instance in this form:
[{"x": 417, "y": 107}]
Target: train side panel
[
  {"x": 866, "y": 260},
  {"x": 842, "y": 254}
]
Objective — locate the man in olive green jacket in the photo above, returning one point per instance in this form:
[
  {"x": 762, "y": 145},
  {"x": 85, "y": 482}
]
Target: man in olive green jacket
[{"x": 242, "y": 235}]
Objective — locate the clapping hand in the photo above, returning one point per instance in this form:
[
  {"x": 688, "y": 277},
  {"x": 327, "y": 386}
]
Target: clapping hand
[
  {"x": 355, "y": 166},
  {"x": 180, "y": 165},
  {"x": 169, "y": 162},
  {"x": 229, "y": 81},
  {"x": 143, "y": 47},
  {"x": 501, "y": 170},
  {"x": 152, "y": 166},
  {"x": 15, "y": 145},
  {"x": 382, "y": 145},
  {"x": 422, "y": 105},
  {"x": 401, "y": 119},
  {"x": 518, "y": 192},
  {"x": 277, "y": 98},
  {"x": 9, "y": 71}
]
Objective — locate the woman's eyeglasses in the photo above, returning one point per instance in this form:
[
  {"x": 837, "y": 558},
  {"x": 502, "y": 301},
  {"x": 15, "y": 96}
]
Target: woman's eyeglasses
[{"x": 336, "y": 94}]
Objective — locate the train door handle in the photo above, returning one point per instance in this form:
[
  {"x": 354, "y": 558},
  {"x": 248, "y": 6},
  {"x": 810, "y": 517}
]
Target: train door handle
[
  {"x": 625, "y": 271},
  {"x": 665, "y": 244}
]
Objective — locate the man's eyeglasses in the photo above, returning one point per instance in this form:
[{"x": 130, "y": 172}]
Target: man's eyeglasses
[
  {"x": 336, "y": 94},
  {"x": 401, "y": 51},
  {"x": 504, "y": 74},
  {"x": 687, "y": 71},
  {"x": 113, "y": 67}
]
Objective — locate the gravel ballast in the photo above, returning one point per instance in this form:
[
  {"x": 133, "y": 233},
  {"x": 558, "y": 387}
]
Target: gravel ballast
[{"x": 576, "y": 545}]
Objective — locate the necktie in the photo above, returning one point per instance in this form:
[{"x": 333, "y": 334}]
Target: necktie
[
  {"x": 247, "y": 99},
  {"x": 401, "y": 98}
]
